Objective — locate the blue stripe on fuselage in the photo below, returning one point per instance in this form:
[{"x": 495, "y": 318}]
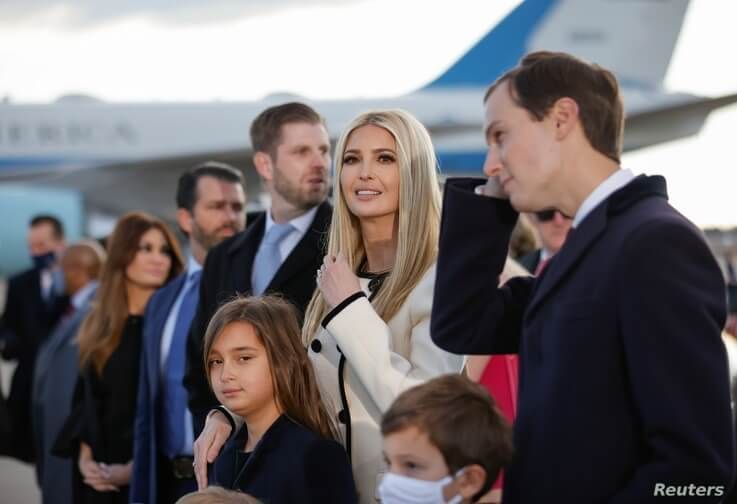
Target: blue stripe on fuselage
[
  {"x": 499, "y": 50},
  {"x": 467, "y": 162}
]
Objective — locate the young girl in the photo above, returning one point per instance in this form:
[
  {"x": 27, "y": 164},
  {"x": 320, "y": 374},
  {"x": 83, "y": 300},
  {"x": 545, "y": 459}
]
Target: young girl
[{"x": 287, "y": 449}]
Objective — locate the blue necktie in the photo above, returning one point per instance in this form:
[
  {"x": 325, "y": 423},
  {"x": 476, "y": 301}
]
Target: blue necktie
[
  {"x": 173, "y": 394},
  {"x": 268, "y": 257}
]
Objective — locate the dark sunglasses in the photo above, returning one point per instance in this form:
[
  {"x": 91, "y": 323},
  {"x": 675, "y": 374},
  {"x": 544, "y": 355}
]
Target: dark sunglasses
[{"x": 548, "y": 215}]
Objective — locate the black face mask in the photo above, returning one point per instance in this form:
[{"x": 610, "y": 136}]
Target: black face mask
[{"x": 43, "y": 261}]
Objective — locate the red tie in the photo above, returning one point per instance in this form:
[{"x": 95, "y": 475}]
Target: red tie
[{"x": 541, "y": 266}]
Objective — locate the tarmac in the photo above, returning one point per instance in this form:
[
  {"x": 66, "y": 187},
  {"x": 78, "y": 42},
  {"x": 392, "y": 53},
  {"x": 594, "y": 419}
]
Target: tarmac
[{"x": 17, "y": 480}]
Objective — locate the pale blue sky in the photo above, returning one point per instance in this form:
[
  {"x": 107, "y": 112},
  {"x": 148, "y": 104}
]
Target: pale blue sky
[{"x": 331, "y": 49}]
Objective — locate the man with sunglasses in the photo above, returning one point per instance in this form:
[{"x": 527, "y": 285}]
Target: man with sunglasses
[
  {"x": 623, "y": 384},
  {"x": 552, "y": 227}
]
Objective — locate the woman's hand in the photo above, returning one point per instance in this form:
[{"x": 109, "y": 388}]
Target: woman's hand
[
  {"x": 476, "y": 365},
  {"x": 92, "y": 473},
  {"x": 117, "y": 475},
  {"x": 336, "y": 280},
  {"x": 208, "y": 445}
]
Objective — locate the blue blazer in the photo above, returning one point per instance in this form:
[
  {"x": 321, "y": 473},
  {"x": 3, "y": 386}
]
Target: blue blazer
[
  {"x": 290, "y": 464},
  {"x": 145, "y": 442},
  {"x": 55, "y": 376},
  {"x": 623, "y": 375}
]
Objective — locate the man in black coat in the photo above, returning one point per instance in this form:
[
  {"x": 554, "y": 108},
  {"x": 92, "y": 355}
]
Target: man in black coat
[
  {"x": 292, "y": 155},
  {"x": 35, "y": 301},
  {"x": 623, "y": 384},
  {"x": 552, "y": 227}
]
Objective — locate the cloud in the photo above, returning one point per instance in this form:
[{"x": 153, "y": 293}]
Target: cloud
[{"x": 85, "y": 13}]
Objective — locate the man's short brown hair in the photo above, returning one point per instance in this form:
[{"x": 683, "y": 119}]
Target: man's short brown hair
[
  {"x": 543, "y": 77},
  {"x": 461, "y": 420},
  {"x": 266, "y": 128}
]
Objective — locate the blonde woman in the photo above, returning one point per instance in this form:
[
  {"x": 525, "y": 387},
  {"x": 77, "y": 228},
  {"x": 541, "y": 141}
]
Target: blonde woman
[{"x": 367, "y": 325}]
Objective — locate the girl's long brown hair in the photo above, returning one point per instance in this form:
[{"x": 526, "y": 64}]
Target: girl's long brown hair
[
  {"x": 102, "y": 329},
  {"x": 276, "y": 325}
]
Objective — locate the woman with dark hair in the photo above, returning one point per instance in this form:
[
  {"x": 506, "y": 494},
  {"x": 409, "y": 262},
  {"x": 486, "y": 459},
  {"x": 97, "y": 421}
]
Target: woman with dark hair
[{"x": 143, "y": 255}]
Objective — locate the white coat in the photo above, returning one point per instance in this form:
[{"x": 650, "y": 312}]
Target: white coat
[{"x": 380, "y": 361}]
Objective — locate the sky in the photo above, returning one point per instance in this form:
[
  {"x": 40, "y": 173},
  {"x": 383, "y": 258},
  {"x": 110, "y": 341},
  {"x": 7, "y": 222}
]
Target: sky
[{"x": 157, "y": 50}]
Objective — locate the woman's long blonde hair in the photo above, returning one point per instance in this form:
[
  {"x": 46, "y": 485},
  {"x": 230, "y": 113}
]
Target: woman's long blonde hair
[
  {"x": 419, "y": 216},
  {"x": 102, "y": 329}
]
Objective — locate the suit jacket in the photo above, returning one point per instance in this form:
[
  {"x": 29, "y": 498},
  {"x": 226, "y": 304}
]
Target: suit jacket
[
  {"x": 227, "y": 272},
  {"x": 363, "y": 363},
  {"x": 27, "y": 320},
  {"x": 290, "y": 464},
  {"x": 623, "y": 375},
  {"x": 5, "y": 426},
  {"x": 145, "y": 438},
  {"x": 55, "y": 375},
  {"x": 531, "y": 260}
]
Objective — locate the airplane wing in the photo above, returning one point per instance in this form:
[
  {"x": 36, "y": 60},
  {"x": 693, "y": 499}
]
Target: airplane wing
[
  {"x": 673, "y": 122},
  {"x": 147, "y": 185},
  {"x": 122, "y": 157}
]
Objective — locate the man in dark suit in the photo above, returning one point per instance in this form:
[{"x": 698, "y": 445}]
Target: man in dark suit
[
  {"x": 552, "y": 227},
  {"x": 283, "y": 247},
  {"x": 211, "y": 207},
  {"x": 57, "y": 369},
  {"x": 623, "y": 385},
  {"x": 34, "y": 303}
]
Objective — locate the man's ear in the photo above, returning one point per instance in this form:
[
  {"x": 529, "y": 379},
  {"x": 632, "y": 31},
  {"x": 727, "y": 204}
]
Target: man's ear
[
  {"x": 264, "y": 166},
  {"x": 184, "y": 220},
  {"x": 564, "y": 115},
  {"x": 471, "y": 481}
]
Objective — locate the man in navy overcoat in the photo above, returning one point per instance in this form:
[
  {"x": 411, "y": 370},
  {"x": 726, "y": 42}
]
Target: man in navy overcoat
[{"x": 623, "y": 384}]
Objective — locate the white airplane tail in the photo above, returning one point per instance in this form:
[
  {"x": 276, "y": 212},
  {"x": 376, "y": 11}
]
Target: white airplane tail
[{"x": 633, "y": 38}]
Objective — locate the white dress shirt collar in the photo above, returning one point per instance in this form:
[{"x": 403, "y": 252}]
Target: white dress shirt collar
[
  {"x": 82, "y": 295},
  {"x": 614, "y": 182},
  {"x": 545, "y": 254},
  {"x": 301, "y": 223},
  {"x": 192, "y": 266}
]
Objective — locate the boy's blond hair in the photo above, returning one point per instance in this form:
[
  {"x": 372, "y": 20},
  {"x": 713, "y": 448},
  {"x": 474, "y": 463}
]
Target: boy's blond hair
[{"x": 217, "y": 495}]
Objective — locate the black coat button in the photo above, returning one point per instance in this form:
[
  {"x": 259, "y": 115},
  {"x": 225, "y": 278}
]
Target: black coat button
[
  {"x": 343, "y": 416},
  {"x": 316, "y": 346}
]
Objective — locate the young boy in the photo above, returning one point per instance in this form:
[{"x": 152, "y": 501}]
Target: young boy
[{"x": 444, "y": 442}]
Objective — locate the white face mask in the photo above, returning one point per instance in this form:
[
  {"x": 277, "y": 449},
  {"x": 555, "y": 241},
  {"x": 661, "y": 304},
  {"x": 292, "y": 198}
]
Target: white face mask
[{"x": 396, "y": 489}]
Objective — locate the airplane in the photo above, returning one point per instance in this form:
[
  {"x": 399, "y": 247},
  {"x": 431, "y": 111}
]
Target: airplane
[{"x": 120, "y": 157}]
